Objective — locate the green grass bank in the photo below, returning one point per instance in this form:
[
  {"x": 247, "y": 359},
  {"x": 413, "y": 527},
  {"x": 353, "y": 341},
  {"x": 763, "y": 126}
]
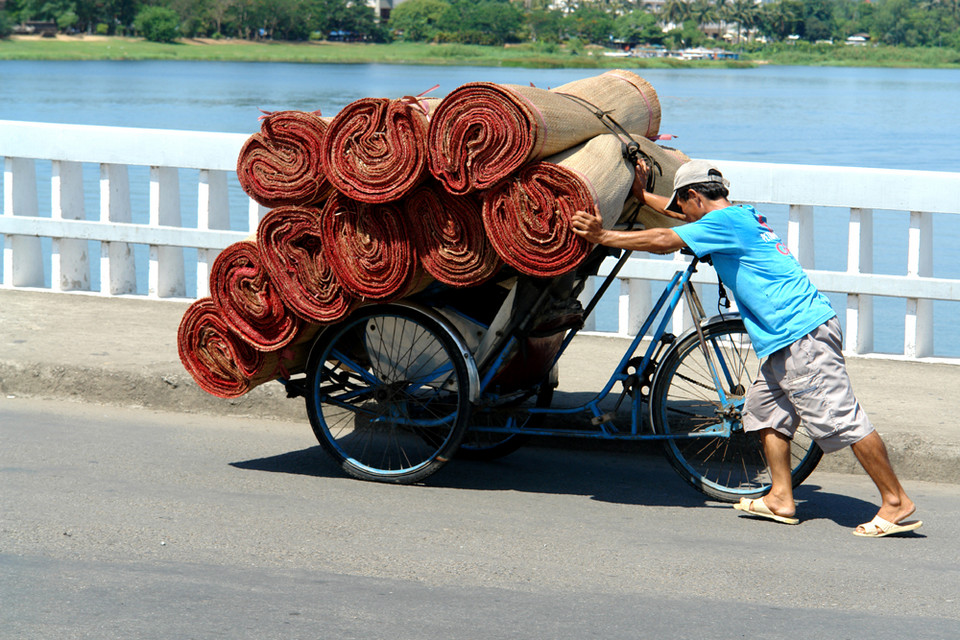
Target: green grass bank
[{"x": 524, "y": 55}]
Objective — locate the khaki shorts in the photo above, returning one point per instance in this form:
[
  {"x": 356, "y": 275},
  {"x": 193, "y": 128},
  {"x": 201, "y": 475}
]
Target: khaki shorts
[{"x": 807, "y": 382}]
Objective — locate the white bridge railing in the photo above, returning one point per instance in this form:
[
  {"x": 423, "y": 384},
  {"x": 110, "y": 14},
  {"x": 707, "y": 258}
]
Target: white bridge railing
[{"x": 53, "y": 240}]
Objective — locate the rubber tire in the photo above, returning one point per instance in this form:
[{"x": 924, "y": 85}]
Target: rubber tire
[
  {"x": 387, "y": 345},
  {"x": 726, "y": 469}
]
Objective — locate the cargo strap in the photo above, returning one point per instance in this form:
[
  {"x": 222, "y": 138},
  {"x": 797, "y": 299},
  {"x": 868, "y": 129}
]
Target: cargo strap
[{"x": 630, "y": 147}]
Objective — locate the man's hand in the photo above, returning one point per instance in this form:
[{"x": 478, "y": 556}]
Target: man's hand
[
  {"x": 640, "y": 175},
  {"x": 673, "y": 214},
  {"x": 588, "y": 226}
]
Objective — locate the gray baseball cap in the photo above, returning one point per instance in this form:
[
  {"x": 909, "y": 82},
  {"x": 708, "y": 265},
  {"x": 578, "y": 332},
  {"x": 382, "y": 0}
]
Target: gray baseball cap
[{"x": 694, "y": 172}]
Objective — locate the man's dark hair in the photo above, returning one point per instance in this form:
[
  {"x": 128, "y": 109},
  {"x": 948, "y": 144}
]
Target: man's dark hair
[{"x": 709, "y": 190}]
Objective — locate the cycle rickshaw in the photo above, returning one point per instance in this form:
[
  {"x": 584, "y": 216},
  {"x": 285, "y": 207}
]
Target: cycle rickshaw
[{"x": 398, "y": 390}]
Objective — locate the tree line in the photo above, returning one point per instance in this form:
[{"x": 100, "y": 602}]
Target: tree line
[{"x": 496, "y": 22}]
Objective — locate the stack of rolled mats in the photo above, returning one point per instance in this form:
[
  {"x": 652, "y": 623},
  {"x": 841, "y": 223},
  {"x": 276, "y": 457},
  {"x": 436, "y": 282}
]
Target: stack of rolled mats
[{"x": 392, "y": 195}]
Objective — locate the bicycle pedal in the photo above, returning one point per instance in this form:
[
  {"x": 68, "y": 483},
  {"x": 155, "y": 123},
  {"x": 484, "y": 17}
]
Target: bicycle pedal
[{"x": 607, "y": 417}]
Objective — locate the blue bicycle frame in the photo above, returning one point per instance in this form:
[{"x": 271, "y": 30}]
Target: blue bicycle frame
[{"x": 678, "y": 286}]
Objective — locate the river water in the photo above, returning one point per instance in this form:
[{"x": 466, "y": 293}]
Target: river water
[{"x": 884, "y": 118}]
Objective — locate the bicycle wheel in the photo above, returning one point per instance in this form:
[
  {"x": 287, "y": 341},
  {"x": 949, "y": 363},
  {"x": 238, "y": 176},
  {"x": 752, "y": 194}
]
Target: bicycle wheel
[
  {"x": 487, "y": 445},
  {"x": 685, "y": 401},
  {"x": 388, "y": 394}
]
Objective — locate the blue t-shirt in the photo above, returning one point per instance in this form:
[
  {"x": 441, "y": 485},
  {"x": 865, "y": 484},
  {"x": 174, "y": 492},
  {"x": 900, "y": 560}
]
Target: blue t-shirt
[{"x": 778, "y": 302}]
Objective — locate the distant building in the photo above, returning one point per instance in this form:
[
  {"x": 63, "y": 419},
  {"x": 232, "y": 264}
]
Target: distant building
[{"x": 382, "y": 8}]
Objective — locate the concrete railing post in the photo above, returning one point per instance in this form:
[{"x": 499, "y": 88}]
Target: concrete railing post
[
  {"x": 918, "y": 324},
  {"x": 256, "y": 213},
  {"x": 22, "y": 256},
  {"x": 213, "y": 212},
  {"x": 859, "y": 329},
  {"x": 589, "y": 288},
  {"x": 166, "y": 273},
  {"x": 800, "y": 234},
  {"x": 682, "y": 317},
  {"x": 70, "y": 262},
  {"x": 635, "y": 303},
  {"x": 118, "y": 274}
]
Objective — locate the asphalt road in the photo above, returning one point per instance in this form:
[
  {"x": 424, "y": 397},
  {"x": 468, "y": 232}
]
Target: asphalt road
[{"x": 119, "y": 523}]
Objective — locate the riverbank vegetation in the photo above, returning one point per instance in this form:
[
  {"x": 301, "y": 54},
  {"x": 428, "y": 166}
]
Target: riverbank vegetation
[{"x": 914, "y": 33}]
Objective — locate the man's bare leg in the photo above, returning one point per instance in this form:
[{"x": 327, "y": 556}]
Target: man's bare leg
[
  {"x": 776, "y": 447},
  {"x": 872, "y": 454}
]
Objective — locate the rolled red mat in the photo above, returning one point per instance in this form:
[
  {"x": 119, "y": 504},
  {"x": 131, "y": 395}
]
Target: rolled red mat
[
  {"x": 600, "y": 164},
  {"x": 449, "y": 236},
  {"x": 248, "y": 300},
  {"x": 527, "y": 219},
  {"x": 214, "y": 355},
  {"x": 375, "y": 149},
  {"x": 282, "y": 164},
  {"x": 368, "y": 248},
  {"x": 483, "y": 132},
  {"x": 290, "y": 245}
]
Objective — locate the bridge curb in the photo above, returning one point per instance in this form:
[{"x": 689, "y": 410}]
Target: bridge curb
[{"x": 914, "y": 456}]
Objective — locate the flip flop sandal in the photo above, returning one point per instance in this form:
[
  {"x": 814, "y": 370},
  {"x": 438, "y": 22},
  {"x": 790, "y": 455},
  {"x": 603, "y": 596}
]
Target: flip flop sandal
[
  {"x": 878, "y": 528},
  {"x": 757, "y": 507}
]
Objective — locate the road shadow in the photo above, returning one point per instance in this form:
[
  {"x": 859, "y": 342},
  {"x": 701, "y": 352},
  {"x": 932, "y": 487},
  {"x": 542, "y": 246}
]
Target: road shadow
[
  {"x": 312, "y": 461},
  {"x": 637, "y": 476},
  {"x": 813, "y": 503},
  {"x": 622, "y": 478}
]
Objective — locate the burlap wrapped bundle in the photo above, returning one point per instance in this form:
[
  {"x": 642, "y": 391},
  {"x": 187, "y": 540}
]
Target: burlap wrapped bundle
[
  {"x": 242, "y": 290},
  {"x": 449, "y": 237},
  {"x": 282, "y": 164},
  {"x": 376, "y": 149},
  {"x": 219, "y": 361},
  {"x": 292, "y": 251},
  {"x": 369, "y": 249},
  {"x": 627, "y": 98},
  {"x": 528, "y": 217},
  {"x": 484, "y": 132}
]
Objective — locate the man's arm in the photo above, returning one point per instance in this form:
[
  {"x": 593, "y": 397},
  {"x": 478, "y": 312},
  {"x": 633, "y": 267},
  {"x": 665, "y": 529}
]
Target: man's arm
[{"x": 590, "y": 227}]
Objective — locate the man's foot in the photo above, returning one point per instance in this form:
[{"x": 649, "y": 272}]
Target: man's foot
[
  {"x": 878, "y": 528},
  {"x": 759, "y": 508},
  {"x": 897, "y": 512}
]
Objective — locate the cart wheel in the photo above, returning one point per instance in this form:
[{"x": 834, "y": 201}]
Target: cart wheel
[
  {"x": 487, "y": 445},
  {"x": 685, "y": 400},
  {"x": 388, "y": 394}
]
